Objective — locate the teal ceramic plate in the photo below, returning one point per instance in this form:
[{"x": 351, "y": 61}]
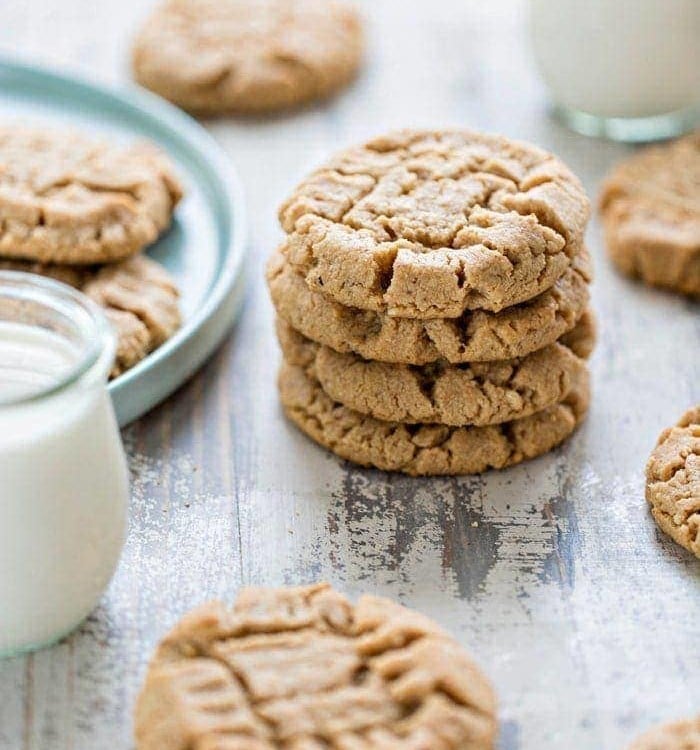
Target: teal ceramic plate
[{"x": 204, "y": 250}]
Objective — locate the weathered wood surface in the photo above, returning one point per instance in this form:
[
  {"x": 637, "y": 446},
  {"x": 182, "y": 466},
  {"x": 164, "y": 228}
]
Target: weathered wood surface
[{"x": 551, "y": 573}]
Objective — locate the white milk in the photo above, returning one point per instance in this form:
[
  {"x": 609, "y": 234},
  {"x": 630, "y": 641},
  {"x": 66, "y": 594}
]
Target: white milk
[
  {"x": 619, "y": 58},
  {"x": 63, "y": 488}
]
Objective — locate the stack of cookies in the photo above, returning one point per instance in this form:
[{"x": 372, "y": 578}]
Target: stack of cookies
[
  {"x": 431, "y": 297},
  {"x": 80, "y": 211}
]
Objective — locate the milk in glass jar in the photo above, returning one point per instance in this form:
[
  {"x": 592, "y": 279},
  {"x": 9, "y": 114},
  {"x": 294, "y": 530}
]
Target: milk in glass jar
[
  {"x": 626, "y": 69},
  {"x": 63, "y": 476}
]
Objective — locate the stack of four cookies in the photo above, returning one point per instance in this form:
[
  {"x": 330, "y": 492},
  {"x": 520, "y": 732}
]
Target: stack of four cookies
[{"x": 432, "y": 296}]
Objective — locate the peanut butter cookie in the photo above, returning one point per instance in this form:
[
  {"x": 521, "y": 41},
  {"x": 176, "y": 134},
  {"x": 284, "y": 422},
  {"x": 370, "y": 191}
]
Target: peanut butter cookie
[
  {"x": 476, "y": 336},
  {"x": 681, "y": 735},
  {"x": 650, "y": 206},
  {"x": 138, "y": 295},
  {"x": 304, "y": 668},
  {"x": 248, "y": 56},
  {"x": 427, "y": 449},
  {"x": 428, "y": 224},
  {"x": 673, "y": 481},
  {"x": 66, "y": 198},
  {"x": 470, "y": 394}
]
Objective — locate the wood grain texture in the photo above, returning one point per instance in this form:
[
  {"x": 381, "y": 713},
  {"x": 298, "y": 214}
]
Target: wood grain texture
[{"x": 552, "y": 573}]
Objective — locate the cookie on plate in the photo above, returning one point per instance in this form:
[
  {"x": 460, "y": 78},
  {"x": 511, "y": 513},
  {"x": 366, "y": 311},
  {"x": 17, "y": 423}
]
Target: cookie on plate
[
  {"x": 428, "y": 224},
  {"x": 67, "y": 198},
  {"x": 139, "y": 297},
  {"x": 673, "y": 481},
  {"x": 680, "y": 735},
  {"x": 248, "y": 56},
  {"x": 650, "y": 206},
  {"x": 304, "y": 668},
  {"x": 426, "y": 449},
  {"x": 471, "y": 394},
  {"x": 476, "y": 336}
]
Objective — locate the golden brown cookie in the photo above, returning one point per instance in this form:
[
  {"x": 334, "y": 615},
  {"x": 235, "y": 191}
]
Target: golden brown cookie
[
  {"x": 67, "y": 198},
  {"x": 650, "y": 206},
  {"x": 248, "y": 56},
  {"x": 673, "y": 481},
  {"x": 138, "y": 295},
  {"x": 582, "y": 338},
  {"x": 431, "y": 449},
  {"x": 304, "y": 669},
  {"x": 470, "y": 394},
  {"x": 680, "y": 735},
  {"x": 476, "y": 336},
  {"x": 428, "y": 224}
]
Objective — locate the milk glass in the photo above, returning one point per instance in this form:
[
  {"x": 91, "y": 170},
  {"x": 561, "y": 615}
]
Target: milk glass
[
  {"x": 63, "y": 475},
  {"x": 625, "y": 69}
]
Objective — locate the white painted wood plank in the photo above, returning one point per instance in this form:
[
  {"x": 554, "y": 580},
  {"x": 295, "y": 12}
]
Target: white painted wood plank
[{"x": 552, "y": 573}]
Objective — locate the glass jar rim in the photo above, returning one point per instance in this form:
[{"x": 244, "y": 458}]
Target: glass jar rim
[{"x": 97, "y": 342}]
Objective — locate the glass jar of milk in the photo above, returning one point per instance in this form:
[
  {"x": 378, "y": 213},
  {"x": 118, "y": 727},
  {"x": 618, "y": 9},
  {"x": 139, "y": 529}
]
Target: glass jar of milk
[
  {"x": 625, "y": 69},
  {"x": 63, "y": 475}
]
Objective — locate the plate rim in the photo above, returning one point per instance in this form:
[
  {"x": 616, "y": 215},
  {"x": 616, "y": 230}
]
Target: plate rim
[{"x": 185, "y": 129}]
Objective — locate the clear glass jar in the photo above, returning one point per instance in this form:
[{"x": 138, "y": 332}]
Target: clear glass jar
[
  {"x": 624, "y": 69},
  {"x": 63, "y": 476}
]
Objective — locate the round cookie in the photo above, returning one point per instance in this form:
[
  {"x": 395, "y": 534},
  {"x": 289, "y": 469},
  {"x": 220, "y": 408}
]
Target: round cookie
[
  {"x": 650, "y": 205},
  {"x": 139, "y": 297},
  {"x": 248, "y": 56},
  {"x": 304, "y": 668},
  {"x": 673, "y": 481},
  {"x": 470, "y": 394},
  {"x": 431, "y": 449},
  {"x": 428, "y": 224},
  {"x": 67, "y": 198},
  {"x": 476, "y": 336},
  {"x": 680, "y": 735}
]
